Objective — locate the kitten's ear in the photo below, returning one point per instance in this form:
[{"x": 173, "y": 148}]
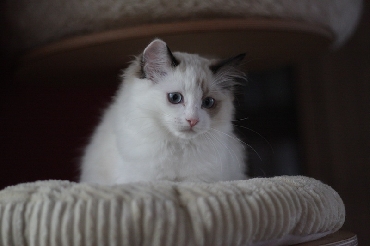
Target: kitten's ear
[
  {"x": 226, "y": 72},
  {"x": 157, "y": 60},
  {"x": 231, "y": 62}
]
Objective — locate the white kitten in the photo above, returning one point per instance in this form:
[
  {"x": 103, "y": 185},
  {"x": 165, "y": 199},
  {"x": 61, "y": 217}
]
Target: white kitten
[{"x": 171, "y": 120}]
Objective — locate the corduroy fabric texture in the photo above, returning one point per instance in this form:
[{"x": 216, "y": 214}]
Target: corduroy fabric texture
[{"x": 260, "y": 211}]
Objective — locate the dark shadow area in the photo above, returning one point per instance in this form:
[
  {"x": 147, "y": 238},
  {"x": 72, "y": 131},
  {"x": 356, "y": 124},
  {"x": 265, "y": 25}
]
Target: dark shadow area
[{"x": 266, "y": 120}]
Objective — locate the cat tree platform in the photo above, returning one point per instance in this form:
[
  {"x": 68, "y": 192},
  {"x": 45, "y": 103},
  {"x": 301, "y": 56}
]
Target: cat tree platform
[
  {"x": 98, "y": 56},
  {"x": 85, "y": 41}
]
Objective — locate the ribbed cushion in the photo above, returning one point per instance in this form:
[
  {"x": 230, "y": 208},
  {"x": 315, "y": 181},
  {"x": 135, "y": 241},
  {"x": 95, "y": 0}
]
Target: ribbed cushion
[{"x": 261, "y": 211}]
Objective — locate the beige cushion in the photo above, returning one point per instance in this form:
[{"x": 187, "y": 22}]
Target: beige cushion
[{"x": 260, "y": 211}]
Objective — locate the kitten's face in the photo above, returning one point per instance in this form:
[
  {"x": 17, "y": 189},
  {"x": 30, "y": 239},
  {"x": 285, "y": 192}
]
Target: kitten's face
[
  {"x": 191, "y": 102},
  {"x": 191, "y": 95}
]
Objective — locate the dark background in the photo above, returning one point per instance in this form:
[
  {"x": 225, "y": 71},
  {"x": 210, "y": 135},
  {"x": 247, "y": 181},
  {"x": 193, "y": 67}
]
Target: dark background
[{"x": 310, "y": 118}]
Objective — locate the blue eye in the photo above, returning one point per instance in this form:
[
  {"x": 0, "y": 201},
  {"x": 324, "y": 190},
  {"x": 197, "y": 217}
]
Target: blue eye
[
  {"x": 208, "y": 102},
  {"x": 174, "y": 97}
]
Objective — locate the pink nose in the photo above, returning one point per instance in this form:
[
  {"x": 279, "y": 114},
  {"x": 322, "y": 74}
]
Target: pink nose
[{"x": 192, "y": 122}]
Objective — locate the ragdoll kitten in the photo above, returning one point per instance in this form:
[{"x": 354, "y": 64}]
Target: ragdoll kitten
[{"x": 170, "y": 120}]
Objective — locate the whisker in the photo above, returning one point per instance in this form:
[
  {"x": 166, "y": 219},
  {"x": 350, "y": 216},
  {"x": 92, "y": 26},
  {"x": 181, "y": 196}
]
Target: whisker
[
  {"x": 247, "y": 118},
  {"x": 260, "y": 135},
  {"x": 272, "y": 149},
  {"x": 237, "y": 139},
  {"x": 231, "y": 151},
  {"x": 232, "y": 137},
  {"x": 215, "y": 147}
]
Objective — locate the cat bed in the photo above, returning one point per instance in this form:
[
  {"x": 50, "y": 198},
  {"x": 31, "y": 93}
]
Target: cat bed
[{"x": 260, "y": 211}]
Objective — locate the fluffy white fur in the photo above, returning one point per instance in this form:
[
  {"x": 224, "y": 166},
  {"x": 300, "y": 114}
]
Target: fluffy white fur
[{"x": 144, "y": 137}]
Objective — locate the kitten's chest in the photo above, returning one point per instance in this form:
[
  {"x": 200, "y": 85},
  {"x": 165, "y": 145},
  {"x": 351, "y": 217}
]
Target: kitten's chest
[
  {"x": 190, "y": 162},
  {"x": 179, "y": 160}
]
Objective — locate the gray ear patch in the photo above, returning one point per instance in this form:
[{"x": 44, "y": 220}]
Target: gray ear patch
[
  {"x": 233, "y": 61},
  {"x": 174, "y": 61},
  {"x": 157, "y": 60},
  {"x": 226, "y": 72}
]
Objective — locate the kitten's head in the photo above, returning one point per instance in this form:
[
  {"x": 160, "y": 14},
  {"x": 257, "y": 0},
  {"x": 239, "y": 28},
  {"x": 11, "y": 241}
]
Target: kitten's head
[{"x": 193, "y": 95}]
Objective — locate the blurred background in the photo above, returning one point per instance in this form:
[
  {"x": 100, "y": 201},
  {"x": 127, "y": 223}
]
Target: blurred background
[{"x": 304, "y": 117}]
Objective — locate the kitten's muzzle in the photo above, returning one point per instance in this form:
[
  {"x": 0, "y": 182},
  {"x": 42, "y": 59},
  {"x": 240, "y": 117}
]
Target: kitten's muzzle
[{"x": 192, "y": 121}]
